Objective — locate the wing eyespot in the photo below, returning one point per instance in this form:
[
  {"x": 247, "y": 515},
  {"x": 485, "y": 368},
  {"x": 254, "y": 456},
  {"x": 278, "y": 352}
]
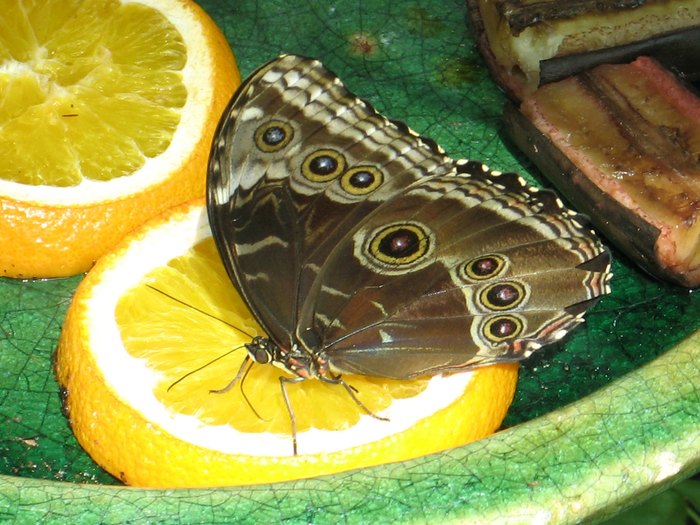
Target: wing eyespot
[
  {"x": 273, "y": 136},
  {"x": 361, "y": 180},
  {"x": 500, "y": 328},
  {"x": 485, "y": 267},
  {"x": 502, "y": 296},
  {"x": 400, "y": 244},
  {"x": 323, "y": 165}
]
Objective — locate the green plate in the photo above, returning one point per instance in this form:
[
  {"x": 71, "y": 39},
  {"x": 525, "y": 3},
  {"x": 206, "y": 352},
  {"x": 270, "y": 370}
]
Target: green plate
[{"x": 607, "y": 417}]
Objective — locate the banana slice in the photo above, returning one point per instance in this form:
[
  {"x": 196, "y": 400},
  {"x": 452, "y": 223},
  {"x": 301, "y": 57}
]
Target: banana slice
[
  {"x": 622, "y": 143},
  {"x": 531, "y": 42}
]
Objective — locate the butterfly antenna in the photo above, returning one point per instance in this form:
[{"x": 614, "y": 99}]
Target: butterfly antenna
[
  {"x": 199, "y": 310},
  {"x": 211, "y": 362}
]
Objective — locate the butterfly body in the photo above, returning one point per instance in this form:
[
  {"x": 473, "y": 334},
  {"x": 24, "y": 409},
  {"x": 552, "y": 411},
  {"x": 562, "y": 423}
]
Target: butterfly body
[{"x": 361, "y": 248}]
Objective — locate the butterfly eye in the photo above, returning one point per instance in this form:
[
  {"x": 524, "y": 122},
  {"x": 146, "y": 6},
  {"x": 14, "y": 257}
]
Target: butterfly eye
[
  {"x": 273, "y": 136},
  {"x": 503, "y": 296},
  {"x": 400, "y": 244},
  {"x": 485, "y": 267},
  {"x": 260, "y": 355},
  {"x": 323, "y": 165},
  {"x": 502, "y": 328},
  {"x": 361, "y": 180}
]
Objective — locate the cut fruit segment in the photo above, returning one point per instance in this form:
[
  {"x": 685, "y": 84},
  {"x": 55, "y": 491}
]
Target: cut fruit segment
[
  {"x": 531, "y": 42},
  {"x": 622, "y": 142},
  {"x": 156, "y": 325},
  {"x": 107, "y": 112}
]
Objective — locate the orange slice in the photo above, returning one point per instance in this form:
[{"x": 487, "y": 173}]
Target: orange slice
[
  {"x": 107, "y": 112},
  {"x": 156, "y": 326}
]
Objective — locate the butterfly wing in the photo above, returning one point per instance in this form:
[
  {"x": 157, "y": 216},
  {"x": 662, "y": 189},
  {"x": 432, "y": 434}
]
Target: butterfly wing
[
  {"x": 297, "y": 162},
  {"x": 460, "y": 270}
]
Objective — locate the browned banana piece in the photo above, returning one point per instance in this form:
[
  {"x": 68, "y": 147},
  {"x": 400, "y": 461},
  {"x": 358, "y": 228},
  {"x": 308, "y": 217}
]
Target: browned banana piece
[
  {"x": 527, "y": 43},
  {"x": 622, "y": 143}
]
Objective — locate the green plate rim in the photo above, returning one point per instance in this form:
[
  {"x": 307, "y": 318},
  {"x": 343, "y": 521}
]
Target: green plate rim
[{"x": 639, "y": 433}]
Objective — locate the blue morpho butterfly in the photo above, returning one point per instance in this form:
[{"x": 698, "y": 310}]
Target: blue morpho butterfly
[{"x": 361, "y": 248}]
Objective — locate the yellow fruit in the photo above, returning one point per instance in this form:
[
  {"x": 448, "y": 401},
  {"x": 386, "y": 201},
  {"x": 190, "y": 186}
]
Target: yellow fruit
[
  {"x": 107, "y": 112},
  {"x": 156, "y": 325}
]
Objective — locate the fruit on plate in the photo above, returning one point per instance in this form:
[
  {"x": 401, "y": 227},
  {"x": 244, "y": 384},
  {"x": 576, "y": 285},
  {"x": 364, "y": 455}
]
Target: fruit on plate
[
  {"x": 622, "y": 143},
  {"x": 107, "y": 112},
  {"x": 531, "y": 42},
  {"x": 156, "y": 326}
]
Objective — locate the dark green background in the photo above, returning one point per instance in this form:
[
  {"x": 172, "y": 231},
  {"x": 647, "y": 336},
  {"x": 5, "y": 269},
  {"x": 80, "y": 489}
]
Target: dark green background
[{"x": 415, "y": 62}]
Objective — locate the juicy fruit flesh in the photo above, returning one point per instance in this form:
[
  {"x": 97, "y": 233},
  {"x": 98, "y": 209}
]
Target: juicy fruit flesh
[
  {"x": 88, "y": 89},
  {"x": 195, "y": 352}
]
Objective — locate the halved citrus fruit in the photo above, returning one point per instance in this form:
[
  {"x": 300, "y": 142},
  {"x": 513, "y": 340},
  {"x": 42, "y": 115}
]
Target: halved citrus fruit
[
  {"x": 107, "y": 112},
  {"x": 156, "y": 327}
]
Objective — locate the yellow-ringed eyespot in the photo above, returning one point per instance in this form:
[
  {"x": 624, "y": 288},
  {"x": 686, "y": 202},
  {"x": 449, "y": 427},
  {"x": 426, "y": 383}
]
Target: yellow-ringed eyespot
[
  {"x": 501, "y": 328},
  {"x": 503, "y": 295},
  {"x": 401, "y": 244},
  {"x": 273, "y": 135},
  {"x": 485, "y": 267},
  {"x": 323, "y": 165},
  {"x": 361, "y": 180}
]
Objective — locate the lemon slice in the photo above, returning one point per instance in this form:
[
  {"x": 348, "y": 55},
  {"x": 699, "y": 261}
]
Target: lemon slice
[
  {"x": 107, "y": 112},
  {"x": 157, "y": 325}
]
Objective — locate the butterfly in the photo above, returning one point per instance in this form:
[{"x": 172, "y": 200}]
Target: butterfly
[{"x": 362, "y": 248}]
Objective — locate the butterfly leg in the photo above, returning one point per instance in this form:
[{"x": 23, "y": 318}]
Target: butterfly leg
[
  {"x": 292, "y": 419},
  {"x": 242, "y": 372},
  {"x": 352, "y": 392},
  {"x": 240, "y": 378}
]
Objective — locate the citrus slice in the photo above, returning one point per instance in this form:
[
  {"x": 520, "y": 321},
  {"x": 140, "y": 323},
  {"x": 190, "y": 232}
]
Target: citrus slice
[
  {"x": 156, "y": 327},
  {"x": 107, "y": 112}
]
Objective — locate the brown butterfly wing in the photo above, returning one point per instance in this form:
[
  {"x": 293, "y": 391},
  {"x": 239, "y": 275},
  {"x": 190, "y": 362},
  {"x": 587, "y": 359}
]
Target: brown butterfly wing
[
  {"x": 460, "y": 270},
  {"x": 364, "y": 244},
  {"x": 297, "y": 162}
]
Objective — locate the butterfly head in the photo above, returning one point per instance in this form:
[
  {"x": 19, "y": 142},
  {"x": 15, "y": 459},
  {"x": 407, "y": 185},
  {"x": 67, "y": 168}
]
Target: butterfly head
[
  {"x": 261, "y": 350},
  {"x": 302, "y": 364}
]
